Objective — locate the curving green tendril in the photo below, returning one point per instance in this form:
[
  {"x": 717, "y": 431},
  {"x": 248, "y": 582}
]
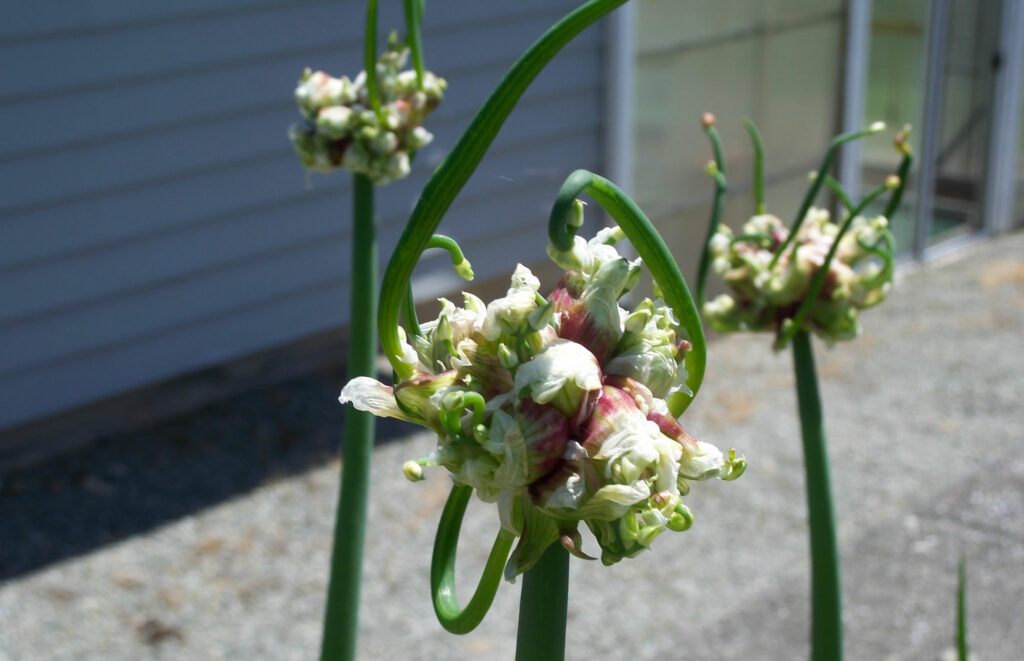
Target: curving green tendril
[
  {"x": 791, "y": 326},
  {"x": 462, "y": 268},
  {"x": 449, "y": 178},
  {"x": 716, "y": 169},
  {"x": 442, "y": 568},
  {"x": 655, "y": 254},
  {"x": 812, "y": 192}
]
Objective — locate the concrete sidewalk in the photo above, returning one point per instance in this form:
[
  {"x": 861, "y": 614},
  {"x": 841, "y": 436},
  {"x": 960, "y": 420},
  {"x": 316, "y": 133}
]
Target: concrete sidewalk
[{"x": 926, "y": 434}]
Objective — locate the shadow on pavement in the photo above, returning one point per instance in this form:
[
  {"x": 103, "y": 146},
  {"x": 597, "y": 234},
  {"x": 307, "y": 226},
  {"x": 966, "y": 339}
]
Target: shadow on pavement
[{"x": 129, "y": 483}]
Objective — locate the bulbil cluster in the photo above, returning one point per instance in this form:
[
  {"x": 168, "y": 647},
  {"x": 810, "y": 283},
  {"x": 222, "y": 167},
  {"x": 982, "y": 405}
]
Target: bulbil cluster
[
  {"x": 340, "y": 129},
  {"x": 766, "y": 291},
  {"x": 555, "y": 407}
]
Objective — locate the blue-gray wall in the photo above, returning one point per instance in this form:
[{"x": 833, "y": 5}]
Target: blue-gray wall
[{"x": 153, "y": 219}]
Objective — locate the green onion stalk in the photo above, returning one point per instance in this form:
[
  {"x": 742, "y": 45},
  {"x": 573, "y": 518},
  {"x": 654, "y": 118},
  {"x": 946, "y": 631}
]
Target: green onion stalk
[
  {"x": 523, "y": 391},
  {"x": 813, "y": 278},
  {"x": 370, "y": 126},
  {"x": 437, "y": 196}
]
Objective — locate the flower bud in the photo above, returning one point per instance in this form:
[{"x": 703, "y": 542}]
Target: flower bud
[
  {"x": 334, "y": 122},
  {"x": 398, "y": 165},
  {"x": 509, "y": 315},
  {"x": 575, "y": 219},
  {"x": 562, "y": 374},
  {"x": 418, "y": 138},
  {"x": 413, "y": 471}
]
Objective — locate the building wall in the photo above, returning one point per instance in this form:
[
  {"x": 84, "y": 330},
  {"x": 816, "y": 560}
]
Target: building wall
[{"x": 153, "y": 219}]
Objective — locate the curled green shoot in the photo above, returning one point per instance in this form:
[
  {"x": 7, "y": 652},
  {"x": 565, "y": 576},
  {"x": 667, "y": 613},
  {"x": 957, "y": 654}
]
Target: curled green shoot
[
  {"x": 413, "y": 23},
  {"x": 812, "y": 192},
  {"x": 462, "y": 268},
  {"x": 716, "y": 169},
  {"x": 449, "y": 178},
  {"x": 454, "y": 618},
  {"x": 792, "y": 326},
  {"x": 755, "y": 138},
  {"x": 655, "y": 254}
]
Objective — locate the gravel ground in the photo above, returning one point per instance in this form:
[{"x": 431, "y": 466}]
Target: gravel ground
[{"x": 208, "y": 537}]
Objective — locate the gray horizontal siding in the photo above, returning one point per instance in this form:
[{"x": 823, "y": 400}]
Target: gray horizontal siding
[{"x": 154, "y": 220}]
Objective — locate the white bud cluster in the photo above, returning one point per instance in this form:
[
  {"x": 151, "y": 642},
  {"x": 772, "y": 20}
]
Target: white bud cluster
[
  {"x": 764, "y": 296},
  {"x": 554, "y": 407},
  {"x": 341, "y": 130}
]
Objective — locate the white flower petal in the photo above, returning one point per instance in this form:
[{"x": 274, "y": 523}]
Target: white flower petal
[
  {"x": 560, "y": 363},
  {"x": 370, "y": 395}
]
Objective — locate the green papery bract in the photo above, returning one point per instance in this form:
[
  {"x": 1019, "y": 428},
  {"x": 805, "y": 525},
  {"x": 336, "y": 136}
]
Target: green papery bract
[
  {"x": 420, "y": 396},
  {"x": 536, "y": 533}
]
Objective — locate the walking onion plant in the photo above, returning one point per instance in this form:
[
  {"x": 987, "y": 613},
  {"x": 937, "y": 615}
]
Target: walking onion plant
[
  {"x": 812, "y": 278},
  {"x": 370, "y": 126},
  {"x": 561, "y": 409}
]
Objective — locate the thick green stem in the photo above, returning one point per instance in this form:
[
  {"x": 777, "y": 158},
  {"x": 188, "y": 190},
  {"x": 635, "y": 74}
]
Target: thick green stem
[
  {"x": 453, "y": 173},
  {"x": 341, "y": 620},
  {"x": 826, "y": 586},
  {"x": 543, "y": 607}
]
